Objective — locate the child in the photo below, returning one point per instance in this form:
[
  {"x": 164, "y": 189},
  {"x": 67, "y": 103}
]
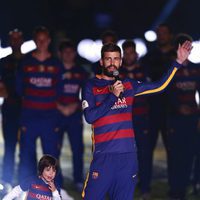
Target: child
[{"x": 41, "y": 186}]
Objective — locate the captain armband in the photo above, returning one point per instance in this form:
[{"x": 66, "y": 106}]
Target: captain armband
[{"x": 85, "y": 104}]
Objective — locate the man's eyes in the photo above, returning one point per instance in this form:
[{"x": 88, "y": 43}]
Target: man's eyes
[{"x": 109, "y": 59}]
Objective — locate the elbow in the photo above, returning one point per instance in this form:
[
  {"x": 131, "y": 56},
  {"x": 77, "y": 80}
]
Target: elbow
[{"x": 89, "y": 119}]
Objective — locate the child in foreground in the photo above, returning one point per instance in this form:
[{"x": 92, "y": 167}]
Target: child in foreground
[{"x": 41, "y": 186}]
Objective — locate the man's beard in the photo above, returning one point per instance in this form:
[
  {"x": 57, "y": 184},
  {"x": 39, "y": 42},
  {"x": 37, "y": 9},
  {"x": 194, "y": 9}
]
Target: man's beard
[{"x": 107, "y": 72}]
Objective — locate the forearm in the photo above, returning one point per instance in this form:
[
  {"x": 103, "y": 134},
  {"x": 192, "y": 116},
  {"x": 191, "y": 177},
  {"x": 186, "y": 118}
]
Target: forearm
[
  {"x": 92, "y": 113},
  {"x": 15, "y": 192},
  {"x": 159, "y": 86}
]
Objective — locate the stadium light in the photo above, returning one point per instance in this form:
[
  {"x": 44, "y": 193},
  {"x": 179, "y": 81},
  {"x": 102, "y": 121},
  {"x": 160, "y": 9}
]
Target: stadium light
[
  {"x": 28, "y": 46},
  {"x": 150, "y": 36},
  {"x": 194, "y": 56}
]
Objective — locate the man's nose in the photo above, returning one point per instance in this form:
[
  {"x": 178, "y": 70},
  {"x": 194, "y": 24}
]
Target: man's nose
[{"x": 112, "y": 61}]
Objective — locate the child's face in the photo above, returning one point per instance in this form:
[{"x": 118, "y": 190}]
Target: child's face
[{"x": 49, "y": 173}]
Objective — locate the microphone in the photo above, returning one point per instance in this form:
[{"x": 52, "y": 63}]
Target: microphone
[{"x": 116, "y": 76}]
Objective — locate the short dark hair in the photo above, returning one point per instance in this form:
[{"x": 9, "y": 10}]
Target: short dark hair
[
  {"x": 67, "y": 43},
  {"x": 110, "y": 47},
  {"x": 164, "y": 24},
  {"x": 40, "y": 29},
  {"x": 128, "y": 43},
  {"x": 47, "y": 161},
  {"x": 109, "y": 33},
  {"x": 16, "y": 30}
]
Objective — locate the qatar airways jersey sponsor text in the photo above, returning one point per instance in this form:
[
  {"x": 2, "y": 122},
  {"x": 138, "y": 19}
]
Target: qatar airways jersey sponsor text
[
  {"x": 41, "y": 82},
  {"x": 43, "y": 197},
  {"x": 188, "y": 85},
  {"x": 71, "y": 88},
  {"x": 120, "y": 103}
]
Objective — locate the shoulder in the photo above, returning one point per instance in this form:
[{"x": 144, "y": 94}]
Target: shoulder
[
  {"x": 131, "y": 82},
  {"x": 27, "y": 58},
  {"x": 26, "y": 183},
  {"x": 90, "y": 82}
]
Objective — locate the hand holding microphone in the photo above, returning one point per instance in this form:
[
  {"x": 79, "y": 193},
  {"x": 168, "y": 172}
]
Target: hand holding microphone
[{"x": 118, "y": 87}]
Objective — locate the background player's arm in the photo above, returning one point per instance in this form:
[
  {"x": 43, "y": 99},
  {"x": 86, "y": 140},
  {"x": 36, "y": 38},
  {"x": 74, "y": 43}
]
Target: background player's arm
[
  {"x": 3, "y": 90},
  {"x": 68, "y": 110}
]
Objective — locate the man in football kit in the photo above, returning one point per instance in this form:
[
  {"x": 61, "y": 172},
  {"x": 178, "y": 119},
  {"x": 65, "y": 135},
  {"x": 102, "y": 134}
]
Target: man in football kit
[
  {"x": 11, "y": 105},
  {"x": 107, "y": 104},
  {"x": 183, "y": 125},
  {"x": 69, "y": 105},
  {"x": 38, "y": 85}
]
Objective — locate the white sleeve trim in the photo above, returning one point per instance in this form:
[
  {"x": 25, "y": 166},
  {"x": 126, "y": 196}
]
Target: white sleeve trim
[{"x": 15, "y": 192}]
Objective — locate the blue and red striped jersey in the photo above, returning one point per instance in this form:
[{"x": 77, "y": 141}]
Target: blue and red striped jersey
[
  {"x": 37, "y": 189},
  {"x": 111, "y": 117},
  {"x": 72, "y": 81},
  {"x": 38, "y": 82},
  {"x": 183, "y": 91},
  {"x": 141, "y": 107}
]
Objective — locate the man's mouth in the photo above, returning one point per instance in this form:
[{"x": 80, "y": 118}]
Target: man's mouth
[{"x": 112, "y": 68}]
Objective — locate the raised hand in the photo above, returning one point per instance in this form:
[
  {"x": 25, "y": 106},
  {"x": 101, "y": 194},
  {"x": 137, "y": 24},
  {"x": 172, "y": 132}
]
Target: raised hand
[{"x": 183, "y": 51}]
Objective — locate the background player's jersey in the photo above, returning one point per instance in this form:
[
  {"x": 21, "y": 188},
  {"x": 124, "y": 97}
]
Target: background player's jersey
[
  {"x": 111, "y": 117},
  {"x": 38, "y": 82},
  {"x": 185, "y": 86},
  {"x": 72, "y": 81},
  {"x": 141, "y": 107}
]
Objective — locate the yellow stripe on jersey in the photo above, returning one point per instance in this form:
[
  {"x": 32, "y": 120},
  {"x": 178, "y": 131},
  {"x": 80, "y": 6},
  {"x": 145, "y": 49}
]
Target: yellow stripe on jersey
[
  {"x": 88, "y": 174},
  {"x": 93, "y": 142},
  {"x": 162, "y": 87},
  {"x": 85, "y": 184}
]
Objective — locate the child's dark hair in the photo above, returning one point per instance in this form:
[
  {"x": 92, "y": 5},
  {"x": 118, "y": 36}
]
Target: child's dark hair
[{"x": 47, "y": 161}]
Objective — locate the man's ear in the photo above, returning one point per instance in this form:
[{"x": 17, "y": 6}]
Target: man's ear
[{"x": 121, "y": 62}]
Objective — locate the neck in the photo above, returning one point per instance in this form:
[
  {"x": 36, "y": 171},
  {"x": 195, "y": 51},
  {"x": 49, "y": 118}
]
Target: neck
[
  {"x": 44, "y": 179},
  {"x": 68, "y": 65},
  {"x": 103, "y": 76},
  {"x": 165, "y": 48},
  {"x": 17, "y": 54},
  {"x": 41, "y": 55},
  {"x": 130, "y": 67}
]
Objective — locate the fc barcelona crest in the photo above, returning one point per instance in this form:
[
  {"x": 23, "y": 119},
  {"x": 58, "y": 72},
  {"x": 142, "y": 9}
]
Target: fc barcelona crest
[
  {"x": 41, "y": 68},
  {"x": 51, "y": 69}
]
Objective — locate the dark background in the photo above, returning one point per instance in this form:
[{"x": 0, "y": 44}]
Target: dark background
[{"x": 88, "y": 18}]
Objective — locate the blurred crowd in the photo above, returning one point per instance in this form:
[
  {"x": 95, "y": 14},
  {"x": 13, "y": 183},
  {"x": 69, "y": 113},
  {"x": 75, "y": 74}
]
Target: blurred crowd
[{"x": 41, "y": 91}]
